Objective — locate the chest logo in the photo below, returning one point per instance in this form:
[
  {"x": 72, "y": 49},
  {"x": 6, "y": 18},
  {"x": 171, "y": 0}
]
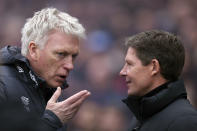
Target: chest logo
[{"x": 25, "y": 102}]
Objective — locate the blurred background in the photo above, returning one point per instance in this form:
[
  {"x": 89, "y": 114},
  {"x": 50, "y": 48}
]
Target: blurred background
[{"x": 108, "y": 23}]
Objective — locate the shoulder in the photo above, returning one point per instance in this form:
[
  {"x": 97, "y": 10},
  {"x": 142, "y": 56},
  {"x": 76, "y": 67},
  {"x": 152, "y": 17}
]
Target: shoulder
[
  {"x": 8, "y": 74},
  {"x": 12, "y": 82},
  {"x": 187, "y": 122},
  {"x": 185, "y": 117},
  {"x": 180, "y": 108},
  {"x": 7, "y": 70}
]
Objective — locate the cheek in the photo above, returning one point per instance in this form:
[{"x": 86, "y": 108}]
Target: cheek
[
  {"x": 45, "y": 63},
  {"x": 132, "y": 72},
  {"x": 47, "y": 66},
  {"x": 51, "y": 66},
  {"x": 144, "y": 80}
]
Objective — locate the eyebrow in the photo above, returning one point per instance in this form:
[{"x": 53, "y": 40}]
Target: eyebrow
[{"x": 66, "y": 51}]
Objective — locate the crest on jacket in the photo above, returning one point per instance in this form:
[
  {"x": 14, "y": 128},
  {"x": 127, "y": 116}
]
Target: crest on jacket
[{"x": 25, "y": 102}]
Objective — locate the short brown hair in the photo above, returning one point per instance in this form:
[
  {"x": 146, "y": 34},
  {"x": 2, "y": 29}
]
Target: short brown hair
[{"x": 163, "y": 46}]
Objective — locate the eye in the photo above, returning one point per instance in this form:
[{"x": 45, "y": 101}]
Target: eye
[
  {"x": 128, "y": 63},
  {"x": 74, "y": 56},
  {"x": 61, "y": 54}
]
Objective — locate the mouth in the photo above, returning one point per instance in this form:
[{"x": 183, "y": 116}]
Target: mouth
[
  {"x": 128, "y": 81},
  {"x": 61, "y": 78}
]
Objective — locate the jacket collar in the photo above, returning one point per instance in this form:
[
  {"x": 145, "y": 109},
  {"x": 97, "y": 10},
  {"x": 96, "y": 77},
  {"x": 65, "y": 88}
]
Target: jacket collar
[{"x": 156, "y": 100}]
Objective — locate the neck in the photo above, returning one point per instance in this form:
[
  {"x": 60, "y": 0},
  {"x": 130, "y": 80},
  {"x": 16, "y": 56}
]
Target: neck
[
  {"x": 156, "y": 82},
  {"x": 160, "y": 81}
]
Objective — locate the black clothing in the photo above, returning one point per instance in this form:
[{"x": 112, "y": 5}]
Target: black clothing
[
  {"x": 13, "y": 117},
  {"x": 163, "y": 109},
  {"x": 18, "y": 83}
]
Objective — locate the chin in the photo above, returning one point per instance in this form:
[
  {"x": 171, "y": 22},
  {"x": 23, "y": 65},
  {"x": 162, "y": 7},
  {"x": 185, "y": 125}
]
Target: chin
[
  {"x": 131, "y": 93},
  {"x": 54, "y": 85}
]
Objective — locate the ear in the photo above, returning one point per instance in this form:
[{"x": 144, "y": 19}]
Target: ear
[
  {"x": 155, "y": 67},
  {"x": 33, "y": 51}
]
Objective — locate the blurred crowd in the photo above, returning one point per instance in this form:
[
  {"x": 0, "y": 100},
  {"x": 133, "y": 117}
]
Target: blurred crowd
[{"x": 108, "y": 23}]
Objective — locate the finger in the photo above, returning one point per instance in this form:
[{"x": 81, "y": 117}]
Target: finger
[
  {"x": 75, "y": 106},
  {"x": 80, "y": 101},
  {"x": 75, "y": 97},
  {"x": 56, "y": 95}
]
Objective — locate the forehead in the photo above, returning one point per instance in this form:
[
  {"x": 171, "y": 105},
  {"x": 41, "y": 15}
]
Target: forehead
[
  {"x": 130, "y": 53},
  {"x": 132, "y": 57},
  {"x": 61, "y": 41}
]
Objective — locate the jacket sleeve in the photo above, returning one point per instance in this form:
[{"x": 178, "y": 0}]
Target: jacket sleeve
[
  {"x": 51, "y": 120},
  {"x": 184, "y": 123}
]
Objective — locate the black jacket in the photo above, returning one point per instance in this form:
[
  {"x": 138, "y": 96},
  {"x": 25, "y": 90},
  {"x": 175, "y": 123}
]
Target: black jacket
[
  {"x": 163, "y": 109},
  {"x": 18, "y": 83}
]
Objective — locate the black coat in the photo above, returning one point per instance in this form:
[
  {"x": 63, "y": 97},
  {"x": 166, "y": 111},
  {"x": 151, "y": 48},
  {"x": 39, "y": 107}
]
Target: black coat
[
  {"x": 163, "y": 109},
  {"x": 18, "y": 83}
]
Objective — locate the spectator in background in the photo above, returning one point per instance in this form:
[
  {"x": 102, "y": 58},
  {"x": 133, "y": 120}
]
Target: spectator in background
[
  {"x": 93, "y": 117},
  {"x": 156, "y": 95},
  {"x": 30, "y": 76}
]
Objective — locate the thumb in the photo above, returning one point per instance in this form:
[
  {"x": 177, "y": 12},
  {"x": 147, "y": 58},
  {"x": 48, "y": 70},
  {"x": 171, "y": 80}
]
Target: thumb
[{"x": 55, "y": 95}]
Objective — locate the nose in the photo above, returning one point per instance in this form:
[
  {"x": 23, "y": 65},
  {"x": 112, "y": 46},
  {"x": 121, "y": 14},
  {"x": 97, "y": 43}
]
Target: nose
[
  {"x": 68, "y": 63},
  {"x": 123, "y": 71}
]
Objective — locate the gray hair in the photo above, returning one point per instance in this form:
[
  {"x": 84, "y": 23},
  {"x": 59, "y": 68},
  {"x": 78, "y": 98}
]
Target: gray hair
[{"x": 37, "y": 27}]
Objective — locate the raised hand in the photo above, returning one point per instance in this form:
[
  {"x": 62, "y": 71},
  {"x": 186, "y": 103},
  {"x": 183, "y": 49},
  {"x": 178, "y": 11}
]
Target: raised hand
[{"x": 65, "y": 110}]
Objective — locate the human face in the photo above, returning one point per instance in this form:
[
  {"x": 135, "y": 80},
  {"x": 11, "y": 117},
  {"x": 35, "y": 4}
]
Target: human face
[
  {"x": 55, "y": 59},
  {"x": 138, "y": 77}
]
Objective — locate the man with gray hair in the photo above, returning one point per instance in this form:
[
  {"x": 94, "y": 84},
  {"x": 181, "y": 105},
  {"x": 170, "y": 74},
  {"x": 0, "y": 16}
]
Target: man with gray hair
[{"x": 34, "y": 75}]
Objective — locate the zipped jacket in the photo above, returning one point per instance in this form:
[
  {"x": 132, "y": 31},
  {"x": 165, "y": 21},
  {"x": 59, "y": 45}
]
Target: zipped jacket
[
  {"x": 163, "y": 109},
  {"x": 19, "y": 83}
]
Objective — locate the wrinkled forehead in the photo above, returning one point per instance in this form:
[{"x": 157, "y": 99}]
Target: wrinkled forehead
[{"x": 62, "y": 41}]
